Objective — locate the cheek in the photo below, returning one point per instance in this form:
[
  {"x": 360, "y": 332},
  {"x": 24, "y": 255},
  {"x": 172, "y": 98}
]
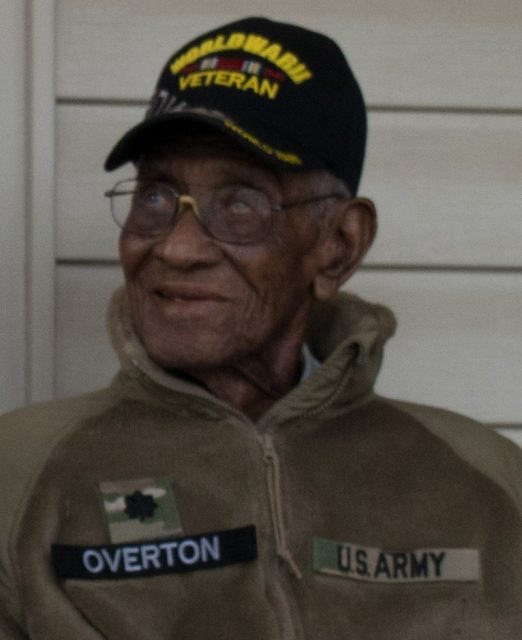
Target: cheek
[
  {"x": 279, "y": 283},
  {"x": 133, "y": 252}
]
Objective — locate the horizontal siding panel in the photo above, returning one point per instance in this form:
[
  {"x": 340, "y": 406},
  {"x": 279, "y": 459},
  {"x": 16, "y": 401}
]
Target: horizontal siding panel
[
  {"x": 84, "y": 358},
  {"x": 458, "y": 342},
  {"x": 447, "y": 187},
  {"x": 13, "y": 142},
  {"x": 458, "y": 345},
  {"x": 407, "y": 52},
  {"x": 84, "y": 227}
]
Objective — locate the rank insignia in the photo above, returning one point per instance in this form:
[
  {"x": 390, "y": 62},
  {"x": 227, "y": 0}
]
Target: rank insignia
[{"x": 141, "y": 509}]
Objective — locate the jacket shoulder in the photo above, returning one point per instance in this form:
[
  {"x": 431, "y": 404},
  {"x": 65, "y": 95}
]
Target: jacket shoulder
[
  {"x": 480, "y": 446},
  {"x": 29, "y": 434},
  {"x": 27, "y": 438}
]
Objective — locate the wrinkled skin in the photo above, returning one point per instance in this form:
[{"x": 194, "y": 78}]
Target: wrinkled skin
[{"x": 231, "y": 316}]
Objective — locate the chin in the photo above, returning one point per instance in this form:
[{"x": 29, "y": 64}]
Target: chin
[{"x": 186, "y": 355}]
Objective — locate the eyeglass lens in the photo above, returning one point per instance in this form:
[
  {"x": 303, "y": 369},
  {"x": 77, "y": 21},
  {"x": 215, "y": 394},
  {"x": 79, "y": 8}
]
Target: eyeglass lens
[{"x": 233, "y": 213}]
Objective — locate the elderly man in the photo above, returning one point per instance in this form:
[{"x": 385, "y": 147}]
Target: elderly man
[{"x": 240, "y": 478}]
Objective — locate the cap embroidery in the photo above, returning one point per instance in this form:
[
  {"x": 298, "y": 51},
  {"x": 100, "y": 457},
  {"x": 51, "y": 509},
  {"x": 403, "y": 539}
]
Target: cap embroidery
[
  {"x": 273, "y": 52},
  {"x": 237, "y": 73},
  {"x": 234, "y": 64},
  {"x": 284, "y": 156},
  {"x": 250, "y": 80},
  {"x": 163, "y": 102},
  {"x": 231, "y": 80}
]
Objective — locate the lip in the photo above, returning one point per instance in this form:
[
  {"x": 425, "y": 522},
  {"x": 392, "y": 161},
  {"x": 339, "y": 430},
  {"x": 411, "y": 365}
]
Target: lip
[{"x": 185, "y": 293}]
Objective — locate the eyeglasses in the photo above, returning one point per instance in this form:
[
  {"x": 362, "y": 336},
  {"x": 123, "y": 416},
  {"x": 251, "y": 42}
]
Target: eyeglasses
[{"x": 230, "y": 213}]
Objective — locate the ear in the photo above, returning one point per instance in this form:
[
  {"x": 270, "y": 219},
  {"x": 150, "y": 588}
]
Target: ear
[{"x": 350, "y": 232}]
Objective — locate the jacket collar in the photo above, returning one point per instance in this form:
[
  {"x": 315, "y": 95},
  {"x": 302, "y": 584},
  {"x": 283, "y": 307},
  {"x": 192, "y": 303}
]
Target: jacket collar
[{"x": 345, "y": 334}]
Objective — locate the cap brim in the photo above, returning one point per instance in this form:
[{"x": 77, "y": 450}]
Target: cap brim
[{"x": 256, "y": 141}]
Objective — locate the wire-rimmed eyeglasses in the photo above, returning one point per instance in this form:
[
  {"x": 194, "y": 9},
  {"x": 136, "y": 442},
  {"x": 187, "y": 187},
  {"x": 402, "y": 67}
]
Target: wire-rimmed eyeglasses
[{"x": 230, "y": 213}]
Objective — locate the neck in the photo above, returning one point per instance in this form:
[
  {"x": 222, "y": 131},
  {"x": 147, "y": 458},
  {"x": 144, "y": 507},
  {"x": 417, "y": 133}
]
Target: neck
[{"x": 255, "y": 383}]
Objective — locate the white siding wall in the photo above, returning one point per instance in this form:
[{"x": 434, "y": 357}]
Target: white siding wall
[
  {"x": 12, "y": 207},
  {"x": 444, "y": 88}
]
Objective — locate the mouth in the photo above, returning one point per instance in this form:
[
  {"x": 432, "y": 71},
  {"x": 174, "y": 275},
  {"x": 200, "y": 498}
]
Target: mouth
[
  {"x": 186, "y": 294},
  {"x": 174, "y": 298}
]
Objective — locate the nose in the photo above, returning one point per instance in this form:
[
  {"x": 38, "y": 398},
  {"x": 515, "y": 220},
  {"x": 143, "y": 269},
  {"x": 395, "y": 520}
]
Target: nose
[{"x": 187, "y": 244}]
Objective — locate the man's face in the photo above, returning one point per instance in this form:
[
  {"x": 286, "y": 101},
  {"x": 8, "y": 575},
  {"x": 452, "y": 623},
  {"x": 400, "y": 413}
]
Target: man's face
[{"x": 198, "y": 303}]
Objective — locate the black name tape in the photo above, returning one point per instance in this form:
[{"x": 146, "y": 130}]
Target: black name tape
[{"x": 155, "y": 557}]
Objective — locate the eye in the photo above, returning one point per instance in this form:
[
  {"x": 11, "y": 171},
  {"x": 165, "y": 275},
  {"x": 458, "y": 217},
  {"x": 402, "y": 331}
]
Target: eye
[
  {"x": 241, "y": 201},
  {"x": 151, "y": 210},
  {"x": 238, "y": 214},
  {"x": 154, "y": 197},
  {"x": 239, "y": 208}
]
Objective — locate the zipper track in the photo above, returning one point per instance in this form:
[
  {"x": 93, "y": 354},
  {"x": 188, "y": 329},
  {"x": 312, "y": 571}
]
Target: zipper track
[{"x": 292, "y": 625}]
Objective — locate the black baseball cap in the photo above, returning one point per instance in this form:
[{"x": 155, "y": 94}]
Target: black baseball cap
[{"x": 284, "y": 92}]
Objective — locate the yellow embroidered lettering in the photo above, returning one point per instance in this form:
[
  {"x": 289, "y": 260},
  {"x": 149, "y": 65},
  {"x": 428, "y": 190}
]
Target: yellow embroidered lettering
[
  {"x": 192, "y": 55},
  {"x": 229, "y": 78},
  {"x": 236, "y": 79},
  {"x": 251, "y": 84},
  {"x": 208, "y": 77},
  {"x": 184, "y": 82},
  {"x": 236, "y": 40},
  {"x": 178, "y": 64},
  {"x": 248, "y": 136},
  {"x": 287, "y": 61},
  {"x": 255, "y": 44},
  {"x": 251, "y": 43},
  {"x": 206, "y": 48},
  {"x": 272, "y": 52},
  {"x": 290, "y": 158},
  {"x": 219, "y": 43},
  {"x": 197, "y": 79},
  {"x": 268, "y": 89},
  {"x": 300, "y": 74},
  {"x": 222, "y": 78}
]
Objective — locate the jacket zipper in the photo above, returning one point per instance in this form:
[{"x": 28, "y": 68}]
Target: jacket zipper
[
  {"x": 273, "y": 477},
  {"x": 292, "y": 626}
]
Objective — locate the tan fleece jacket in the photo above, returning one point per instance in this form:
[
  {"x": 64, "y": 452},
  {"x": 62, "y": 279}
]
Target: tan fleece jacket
[{"x": 153, "y": 511}]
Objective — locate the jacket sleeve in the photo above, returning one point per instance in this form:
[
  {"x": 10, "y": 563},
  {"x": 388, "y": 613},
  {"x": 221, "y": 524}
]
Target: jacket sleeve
[{"x": 9, "y": 630}]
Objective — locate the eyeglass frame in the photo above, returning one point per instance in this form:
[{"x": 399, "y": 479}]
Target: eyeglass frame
[{"x": 181, "y": 199}]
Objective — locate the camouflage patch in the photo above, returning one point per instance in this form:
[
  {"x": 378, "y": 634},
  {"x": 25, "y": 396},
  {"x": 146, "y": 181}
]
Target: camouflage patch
[
  {"x": 415, "y": 566},
  {"x": 142, "y": 509}
]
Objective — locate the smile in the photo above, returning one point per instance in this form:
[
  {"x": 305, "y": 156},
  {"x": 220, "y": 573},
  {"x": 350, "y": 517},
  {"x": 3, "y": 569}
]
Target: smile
[{"x": 187, "y": 294}]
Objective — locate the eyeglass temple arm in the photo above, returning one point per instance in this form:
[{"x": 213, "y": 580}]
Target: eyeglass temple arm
[{"x": 115, "y": 192}]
